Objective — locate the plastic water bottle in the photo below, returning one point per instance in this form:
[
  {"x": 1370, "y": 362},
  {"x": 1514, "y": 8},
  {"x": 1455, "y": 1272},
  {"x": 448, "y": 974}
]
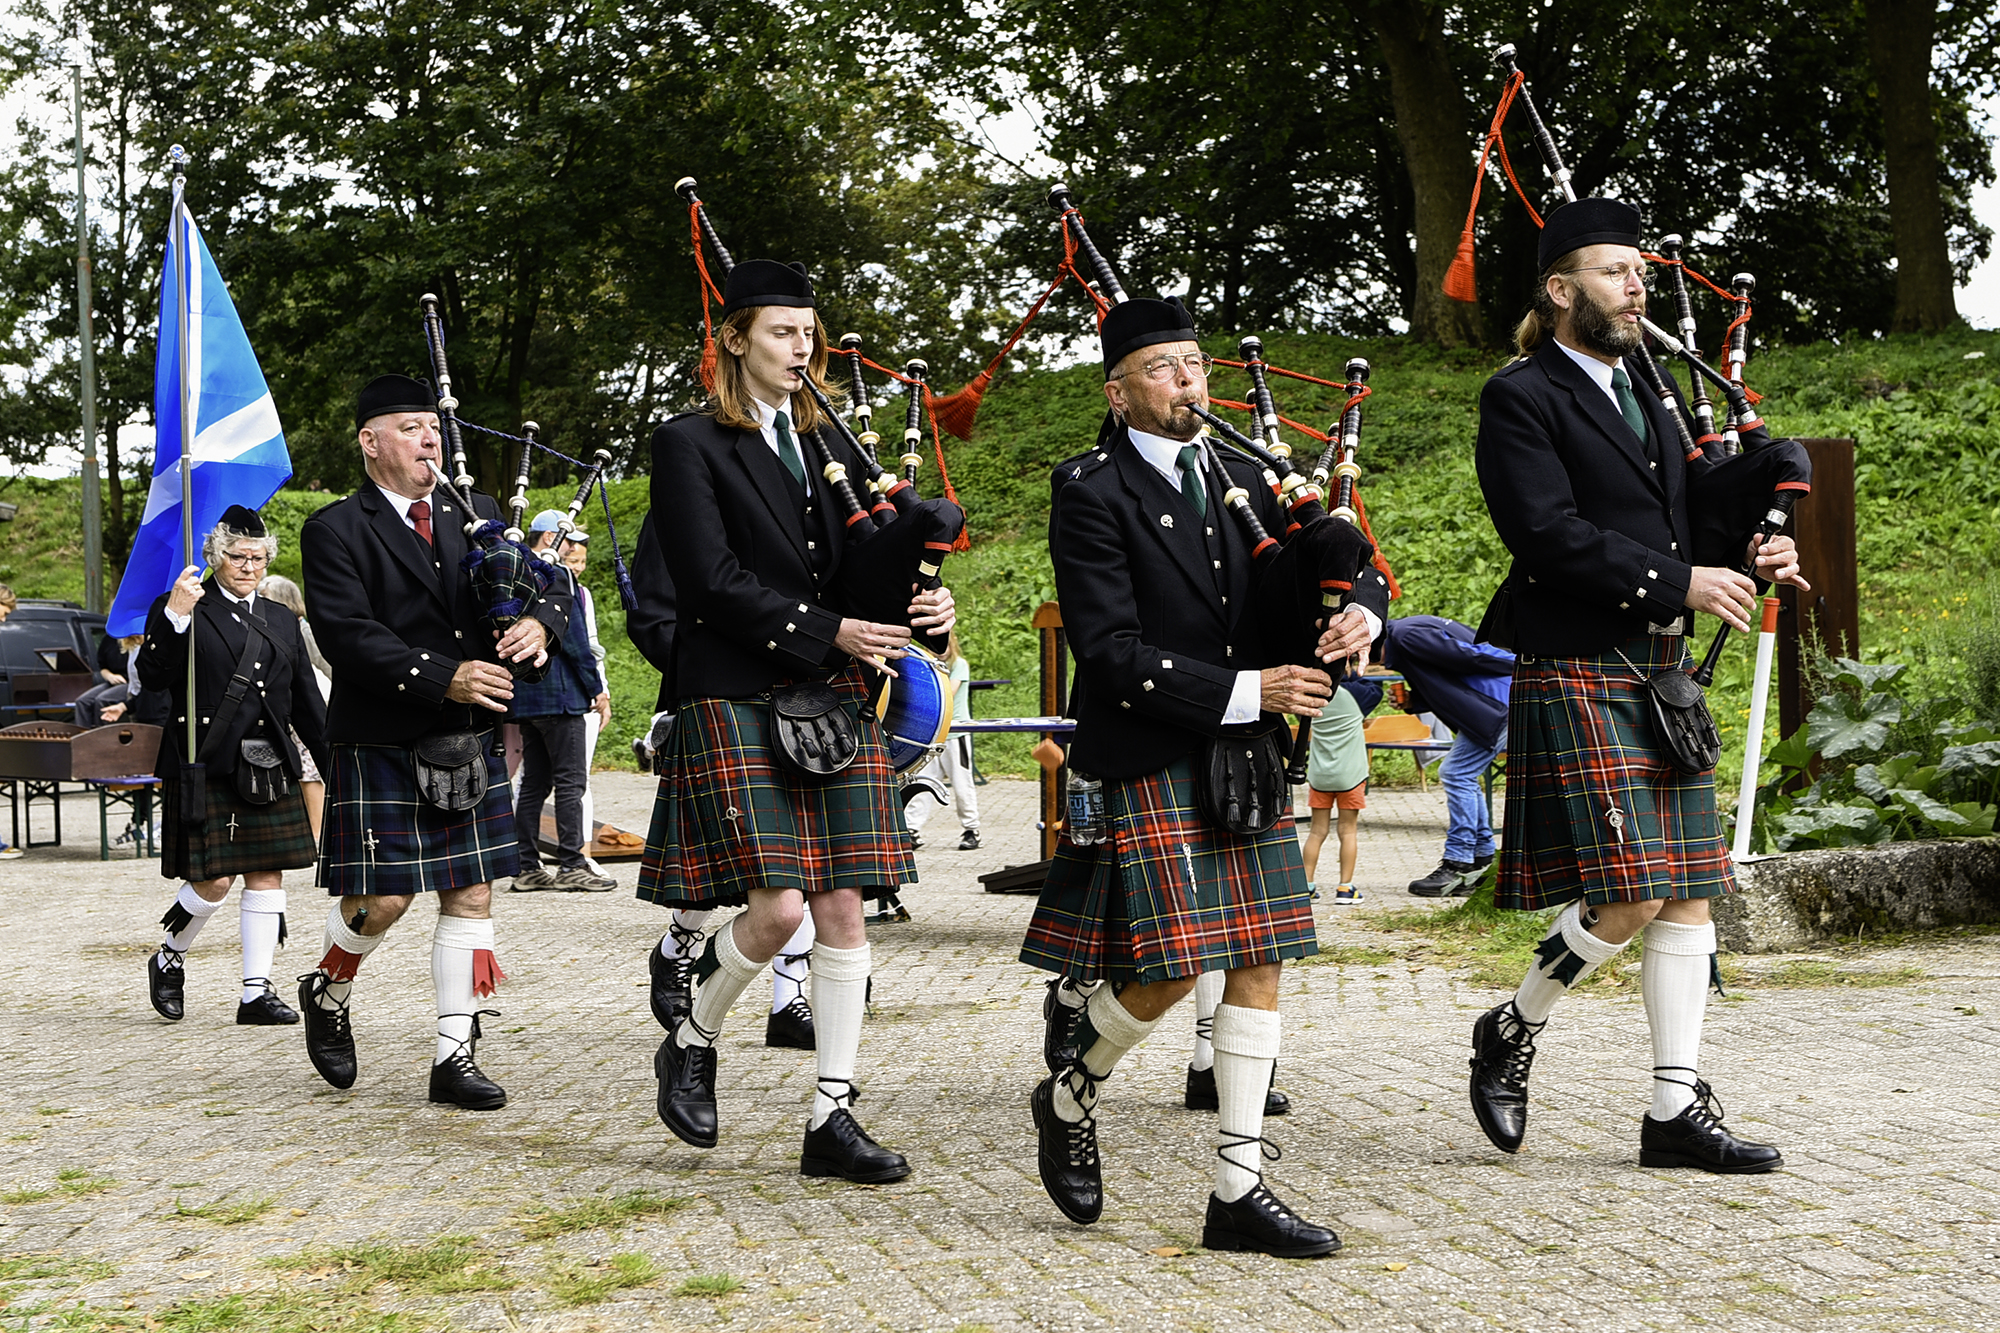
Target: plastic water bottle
[{"x": 1085, "y": 826}]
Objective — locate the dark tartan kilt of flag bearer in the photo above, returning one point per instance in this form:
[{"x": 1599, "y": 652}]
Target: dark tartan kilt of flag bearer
[
  {"x": 239, "y": 837},
  {"x": 1595, "y": 809},
  {"x": 1170, "y": 894}
]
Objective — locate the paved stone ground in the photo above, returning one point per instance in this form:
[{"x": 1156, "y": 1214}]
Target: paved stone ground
[{"x": 1884, "y": 1100}]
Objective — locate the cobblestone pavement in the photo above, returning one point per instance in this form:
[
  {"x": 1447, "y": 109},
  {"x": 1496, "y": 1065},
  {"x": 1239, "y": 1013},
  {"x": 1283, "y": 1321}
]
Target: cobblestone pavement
[{"x": 127, "y": 1141}]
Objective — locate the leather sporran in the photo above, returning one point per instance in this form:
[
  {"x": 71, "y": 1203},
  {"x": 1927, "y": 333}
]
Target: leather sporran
[
  {"x": 1681, "y": 721},
  {"x": 451, "y": 770},
  {"x": 1239, "y": 778},
  {"x": 260, "y": 773},
  {"x": 811, "y": 734}
]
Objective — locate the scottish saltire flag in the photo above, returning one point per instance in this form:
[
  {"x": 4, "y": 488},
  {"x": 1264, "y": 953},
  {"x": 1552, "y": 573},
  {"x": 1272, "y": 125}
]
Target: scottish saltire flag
[{"x": 239, "y": 447}]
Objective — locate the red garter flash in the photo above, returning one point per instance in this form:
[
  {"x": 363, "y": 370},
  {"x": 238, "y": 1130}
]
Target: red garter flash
[{"x": 486, "y": 973}]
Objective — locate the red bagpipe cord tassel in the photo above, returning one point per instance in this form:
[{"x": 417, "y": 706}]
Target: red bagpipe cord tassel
[
  {"x": 955, "y": 411},
  {"x": 486, "y": 973},
  {"x": 708, "y": 289},
  {"x": 339, "y": 964},
  {"x": 1458, "y": 283}
]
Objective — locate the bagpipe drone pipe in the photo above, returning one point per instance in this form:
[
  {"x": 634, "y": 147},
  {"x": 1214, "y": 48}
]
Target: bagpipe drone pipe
[
  {"x": 506, "y": 576},
  {"x": 1738, "y": 503}
]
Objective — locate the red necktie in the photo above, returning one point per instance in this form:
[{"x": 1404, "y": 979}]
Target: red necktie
[{"x": 420, "y": 514}]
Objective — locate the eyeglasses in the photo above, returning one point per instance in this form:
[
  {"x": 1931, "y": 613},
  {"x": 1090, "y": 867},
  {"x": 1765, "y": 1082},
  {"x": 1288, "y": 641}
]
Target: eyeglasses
[
  {"x": 1161, "y": 368},
  {"x": 1620, "y": 274},
  {"x": 247, "y": 559}
]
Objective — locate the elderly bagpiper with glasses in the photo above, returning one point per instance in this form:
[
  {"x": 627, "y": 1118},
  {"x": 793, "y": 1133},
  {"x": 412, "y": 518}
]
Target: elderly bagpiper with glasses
[
  {"x": 1589, "y": 489},
  {"x": 254, "y": 688},
  {"x": 1155, "y": 582}
]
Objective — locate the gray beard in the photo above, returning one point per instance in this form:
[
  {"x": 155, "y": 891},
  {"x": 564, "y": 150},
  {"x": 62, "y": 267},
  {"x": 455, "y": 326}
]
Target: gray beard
[
  {"x": 1595, "y": 327},
  {"x": 1166, "y": 429}
]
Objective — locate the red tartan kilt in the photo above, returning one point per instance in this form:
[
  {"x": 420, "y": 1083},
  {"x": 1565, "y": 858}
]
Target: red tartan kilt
[
  {"x": 728, "y": 819},
  {"x": 1171, "y": 895},
  {"x": 1580, "y": 745}
]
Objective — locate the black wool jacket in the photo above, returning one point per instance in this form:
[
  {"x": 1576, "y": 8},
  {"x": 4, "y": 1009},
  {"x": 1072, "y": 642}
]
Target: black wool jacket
[
  {"x": 1155, "y": 603},
  {"x": 283, "y": 695},
  {"x": 395, "y": 617},
  {"x": 651, "y": 626},
  {"x": 1599, "y": 532}
]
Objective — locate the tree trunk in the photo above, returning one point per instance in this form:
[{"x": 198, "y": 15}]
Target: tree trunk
[
  {"x": 1431, "y": 121},
  {"x": 1900, "y": 33}
]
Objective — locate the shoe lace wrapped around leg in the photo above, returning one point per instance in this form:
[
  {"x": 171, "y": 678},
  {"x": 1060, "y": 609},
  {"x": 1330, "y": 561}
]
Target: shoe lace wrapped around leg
[
  {"x": 1080, "y": 1136},
  {"x": 171, "y": 957},
  {"x": 261, "y": 983},
  {"x": 1518, "y": 1055},
  {"x": 334, "y": 1015},
  {"x": 1266, "y": 1151},
  {"x": 468, "y": 1045},
  {"x": 839, "y": 1091},
  {"x": 1705, "y": 1113}
]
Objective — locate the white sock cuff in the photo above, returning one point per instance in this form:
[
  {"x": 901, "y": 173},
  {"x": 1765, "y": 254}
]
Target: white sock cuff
[
  {"x": 1114, "y": 1022},
  {"x": 193, "y": 903},
  {"x": 343, "y": 936},
  {"x": 731, "y": 958},
  {"x": 1581, "y": 942},
  {"x": 1676, "y": 937},
  {"x": 831, "y": 964},
  {"x": 270, "y": 901},
  {"x": 1252, "y": 1033},
  {"x": 463, "y": 932}
]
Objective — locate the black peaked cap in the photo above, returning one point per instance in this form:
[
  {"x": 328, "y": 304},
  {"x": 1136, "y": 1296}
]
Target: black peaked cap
[
  {"x": 392, "y": 393},
  {"x": 766, "y": 282},
  {"x": 238, "y": 519},
  {"x": 1143, "y": 323},
  {"x": 1584, "y": 222}
]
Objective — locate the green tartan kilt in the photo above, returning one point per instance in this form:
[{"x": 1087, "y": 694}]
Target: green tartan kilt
[
  {"x": 238, "y": 838},
  {"x": 728, "y": 819},
  {"x": 1595, "y": 809},
  {"x": 1170, "y": 894}
]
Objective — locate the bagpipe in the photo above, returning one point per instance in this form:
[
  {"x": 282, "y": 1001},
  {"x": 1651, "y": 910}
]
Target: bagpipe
[
  {"x": 1304, "y": 577},
  {"x": 507, "y": 577},
  {"x": 895, "y": 543},
  {"x": 1746, "y": 498}
]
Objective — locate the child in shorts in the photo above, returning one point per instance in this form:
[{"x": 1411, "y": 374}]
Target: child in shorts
[{"x": 1337, "y": 773}]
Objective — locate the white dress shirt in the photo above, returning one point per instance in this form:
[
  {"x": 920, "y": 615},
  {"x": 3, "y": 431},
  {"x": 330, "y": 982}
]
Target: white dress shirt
[
  {"x": 1598, "y": 372},
  {"x": 181, "y": 622},
  {"x": 767, "y": 421},
  {"x": 1247, "y": 694}
]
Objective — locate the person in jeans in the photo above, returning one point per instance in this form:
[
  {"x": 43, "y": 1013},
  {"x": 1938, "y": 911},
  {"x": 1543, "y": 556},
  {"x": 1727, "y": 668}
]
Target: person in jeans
[
  {"x": 1465, "y": 685},
  {"x": 550, "y": 713}
]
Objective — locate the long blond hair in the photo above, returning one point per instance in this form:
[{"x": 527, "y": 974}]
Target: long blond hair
[
  {"x": 1539, "y": 324},
  {"x": 731, "y": 401}
]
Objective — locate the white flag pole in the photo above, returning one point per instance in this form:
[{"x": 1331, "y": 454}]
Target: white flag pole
[
  {"x": 1753, "y": 745},
  {"x": 182, "y": 285}
]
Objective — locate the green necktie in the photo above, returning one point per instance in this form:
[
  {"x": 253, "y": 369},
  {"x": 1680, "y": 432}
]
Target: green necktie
[
  {"x": 1628, "y": 405},
  {"x": 1191, "y": 487},
  {"x": 788, "y": 451}
]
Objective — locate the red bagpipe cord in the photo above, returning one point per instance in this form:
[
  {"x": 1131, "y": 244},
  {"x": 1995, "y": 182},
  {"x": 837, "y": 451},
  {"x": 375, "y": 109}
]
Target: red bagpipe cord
[
  {"x": 964, "y": 540},
  {"x": 1734, "y": 324},
  {"x": 1380, "y": 561},
  {"x": 708, "y": 289},
  {"x": 954, "y": 412},
  {"x": 1458, "y": 284}
]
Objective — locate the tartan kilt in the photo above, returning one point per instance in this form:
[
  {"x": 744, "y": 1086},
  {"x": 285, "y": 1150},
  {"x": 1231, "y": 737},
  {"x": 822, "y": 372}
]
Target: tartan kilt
[
  {"x": 382, "y": 836},
  {"x": 1580, "y": 743},
  {"x": 728, "y": 819},
  {"x": 1170, "y": 894},
  {"x": 239, "y": 837}
]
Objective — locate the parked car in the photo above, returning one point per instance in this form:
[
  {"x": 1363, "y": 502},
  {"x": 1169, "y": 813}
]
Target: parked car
[{"x": 44, "y": 626}]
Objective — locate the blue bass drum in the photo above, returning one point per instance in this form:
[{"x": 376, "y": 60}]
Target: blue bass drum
[{"x": 916, "y": 709}]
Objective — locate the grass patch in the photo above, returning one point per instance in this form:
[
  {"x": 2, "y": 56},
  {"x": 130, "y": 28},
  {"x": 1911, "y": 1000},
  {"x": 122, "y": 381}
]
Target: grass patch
[
  {"x": 44, "y": 1267},
  {"x": 229, "y": 1314},
  {"x": 571, "y": 1284},
  {"x": 1809, "y": 973},
  {"x": 610, "y": 1213},
  {"x": 51, "y": 1110},
  {"x": 74, "y": 1182},
  {"x": 1491, "y": 945},
  {"x": 1349, "y": 955},
  {"x": 445, "y": 1267},
  {"x": 228, "y": 1214},
  {"x": 714, "y": 1286}
]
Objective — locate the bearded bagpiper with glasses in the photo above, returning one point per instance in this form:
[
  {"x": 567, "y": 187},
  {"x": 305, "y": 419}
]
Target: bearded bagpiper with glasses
[
  {"x": 417, "y": 800},
  {"x": 1154, "y": 580},
  {"x": 1587, "y": 486},
  {"x": 254, "y": 688},
  {"x": 752, "y": 537}
]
